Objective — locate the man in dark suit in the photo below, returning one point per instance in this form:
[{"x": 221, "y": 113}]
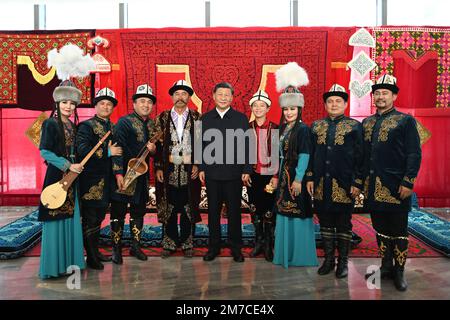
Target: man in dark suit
[{"x": 224, "y": 168}]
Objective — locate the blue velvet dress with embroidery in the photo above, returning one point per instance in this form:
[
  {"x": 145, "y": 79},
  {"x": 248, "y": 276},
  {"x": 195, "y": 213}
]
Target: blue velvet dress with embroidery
[
  {"x": 62, "y": 236},
  {"x": 294, "y": 231}
]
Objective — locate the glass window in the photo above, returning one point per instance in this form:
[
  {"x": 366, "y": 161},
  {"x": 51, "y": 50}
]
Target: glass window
[
  {"x": 82, "y": 14},
  {"x": 250, "y": 13},
  {"x": 168, "y": 13},
  {"x": 420, "y": 12},
  {"x": 333, "y": 13},
  {"x": 16, "y": 15}
]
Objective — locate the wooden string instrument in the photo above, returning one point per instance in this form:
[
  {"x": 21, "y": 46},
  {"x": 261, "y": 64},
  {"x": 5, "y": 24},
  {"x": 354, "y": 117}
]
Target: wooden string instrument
[
  {"x": 54, "y": 195},
  {"x": 138, "y": 166}
]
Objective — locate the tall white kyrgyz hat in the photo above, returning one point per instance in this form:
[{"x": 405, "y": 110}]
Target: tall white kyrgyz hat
[
  {"x": 144, "y": 90},
  {"x": 386, "y": 81},
  {"x": 260, "y": 95},
  {"x": 181, "y": 85},
  {"x": 105, "y": 94},
  {"x": 336, "y": 90},
  {"x": 288, "y": 80}
]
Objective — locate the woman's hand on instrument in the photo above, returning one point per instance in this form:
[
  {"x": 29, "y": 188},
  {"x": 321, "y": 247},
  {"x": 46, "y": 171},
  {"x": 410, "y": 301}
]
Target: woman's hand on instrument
[
  {"x": 151, "y": 147},
  {"x": 160, "y": 176},
  {"x": 114, "y": 149},
  {"x": 194, "y": 174},
  {"x": 296, "y": 188},
  {"x": 76, "y": 167}
]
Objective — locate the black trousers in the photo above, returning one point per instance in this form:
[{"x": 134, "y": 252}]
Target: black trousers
[
  {"x": 230, "y": 192},
  {"x": 339, "y": 220},
  {"x": 179, "y": 199},
  {"x": 93, "y": 216},
  {"x": 262, "y": 200},
  {"x": 119, "y": 210},
  {"x": 392, "y": 224}
]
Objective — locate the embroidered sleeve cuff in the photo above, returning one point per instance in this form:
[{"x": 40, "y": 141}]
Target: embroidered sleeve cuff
[{"x": 408, "y": 182}]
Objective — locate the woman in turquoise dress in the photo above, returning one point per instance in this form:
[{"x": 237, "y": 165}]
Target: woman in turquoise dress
[
  {"x": 294, "y": 231},
  {"x": 62, "y": 237}
]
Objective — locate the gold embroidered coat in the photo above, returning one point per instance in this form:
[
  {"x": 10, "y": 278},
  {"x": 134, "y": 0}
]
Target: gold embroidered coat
[
  {"x": 392, "y": 158},
  {"x": 336, "y": 163},
  {"x": 176, "y": 175},
  {"x": 96, "y": 178}
]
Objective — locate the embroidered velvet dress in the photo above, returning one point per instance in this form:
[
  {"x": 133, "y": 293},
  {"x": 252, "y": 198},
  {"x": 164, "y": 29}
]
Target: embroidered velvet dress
[
  {"x": 62, "y": 237},
  {"x": 294, "y": 232}
]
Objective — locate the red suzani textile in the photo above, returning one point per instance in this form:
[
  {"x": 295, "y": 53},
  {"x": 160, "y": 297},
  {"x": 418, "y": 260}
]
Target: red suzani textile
[{"x": 23, "y": 67}]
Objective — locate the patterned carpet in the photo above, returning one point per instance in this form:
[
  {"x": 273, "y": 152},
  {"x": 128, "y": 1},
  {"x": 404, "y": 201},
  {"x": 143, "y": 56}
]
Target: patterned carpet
[{"x": 152, "y": 238}]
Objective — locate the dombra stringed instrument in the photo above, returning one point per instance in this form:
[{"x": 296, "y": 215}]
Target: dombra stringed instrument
[
  {"x": 54, "y": 195},
  {"x": 138, "y": 166}
]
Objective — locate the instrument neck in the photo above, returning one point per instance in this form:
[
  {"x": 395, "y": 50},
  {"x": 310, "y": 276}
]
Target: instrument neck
[{"x": 68, "y": 179}]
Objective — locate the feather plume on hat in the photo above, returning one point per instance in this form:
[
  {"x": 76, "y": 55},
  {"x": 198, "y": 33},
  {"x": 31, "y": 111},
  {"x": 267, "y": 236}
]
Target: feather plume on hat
[
  {"x": 69, "y": 62},
  {"x": 291, "y": 75},
  {"x": 288, "y": 79}
]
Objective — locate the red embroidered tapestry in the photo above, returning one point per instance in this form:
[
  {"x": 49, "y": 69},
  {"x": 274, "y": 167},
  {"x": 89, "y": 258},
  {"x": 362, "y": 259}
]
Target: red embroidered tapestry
[
  {"x": 25, "y": 79},
  {"x": 245, "y": 57}
]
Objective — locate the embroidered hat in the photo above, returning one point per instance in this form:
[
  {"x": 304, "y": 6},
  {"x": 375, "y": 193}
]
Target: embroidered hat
[
  {"x": 181, "y": 85},
  {"x": 336, "y": 90},
  {"x": 260, "y": 95},
  {"x": 105, "y": 94},
  {"x": 386, "y": 81},
  {"x": 144, "y": 90}
]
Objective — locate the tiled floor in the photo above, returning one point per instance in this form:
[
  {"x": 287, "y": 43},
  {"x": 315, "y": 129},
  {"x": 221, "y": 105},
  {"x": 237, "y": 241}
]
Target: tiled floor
[{"x": 183, "y": 278}]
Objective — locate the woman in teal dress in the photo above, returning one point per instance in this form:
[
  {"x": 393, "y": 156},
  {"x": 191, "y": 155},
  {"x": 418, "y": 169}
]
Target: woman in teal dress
[
  {"x": 294, "y": 231},
  {"x": 62, "y": 237}
]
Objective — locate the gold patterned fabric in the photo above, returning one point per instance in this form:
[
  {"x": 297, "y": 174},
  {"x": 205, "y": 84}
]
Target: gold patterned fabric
[
  {"x": 393, "y": 159},
  {"x": 368, "y": 128},
  {"x": 116, "y": 236},
  {"x": 424, "y": 133},
  {"x": 320, "y": 128},
  {"x": 138, "y": 127},
  {"x": 336, "y": 162},
  {"x": 342, "y": 128},
  {"x": 339, "y": 195},
  {"x": 382, "y": 194},
  {"x": 34, "y": 131},
  {"x": 95, "y": 192},
  {"x": 389, "y": 123}
]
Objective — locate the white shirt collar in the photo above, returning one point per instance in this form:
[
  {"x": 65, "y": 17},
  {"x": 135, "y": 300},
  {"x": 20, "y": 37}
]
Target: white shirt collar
[{"x": 222, "y": 113}]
